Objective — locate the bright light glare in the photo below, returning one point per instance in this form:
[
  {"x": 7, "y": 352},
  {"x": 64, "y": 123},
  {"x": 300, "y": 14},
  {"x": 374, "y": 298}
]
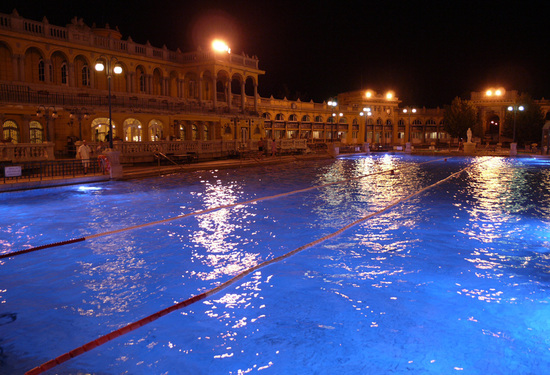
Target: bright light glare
[
  {"x": 368, "y": 94},
  {"x": 489, "y": 93},
  {"x": 510, "y": 108},
  {"x": 117, "y": 69},
  {"x": 99, "y": 66},
  {"x": 498, "y": 93},
  {"x": 389, "y": 95},
  {"x": 220, "y": 46},
  {"x": 521, "y": 108},
  {"x": 88, "y": 188}
]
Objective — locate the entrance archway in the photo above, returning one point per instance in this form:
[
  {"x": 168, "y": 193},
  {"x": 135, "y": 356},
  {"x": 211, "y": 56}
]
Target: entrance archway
[{"x": 492, "y": 129}]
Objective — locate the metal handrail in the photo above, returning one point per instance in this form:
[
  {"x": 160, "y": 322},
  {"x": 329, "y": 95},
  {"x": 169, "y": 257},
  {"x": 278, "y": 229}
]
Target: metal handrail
[{"x": 51, "y": 169}]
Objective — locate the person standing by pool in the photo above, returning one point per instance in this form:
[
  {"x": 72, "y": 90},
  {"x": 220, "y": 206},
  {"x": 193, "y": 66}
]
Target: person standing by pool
[
  {"x": 273, "y": 147},
  {"x": 84, "y": 154},
  {"x": 261, "y": 146}
]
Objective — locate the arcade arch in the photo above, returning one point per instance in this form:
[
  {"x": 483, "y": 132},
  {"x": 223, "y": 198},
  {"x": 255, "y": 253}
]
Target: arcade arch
[
  {"x": 132, "y": 130},
  {"x": 100, "y": 129}
]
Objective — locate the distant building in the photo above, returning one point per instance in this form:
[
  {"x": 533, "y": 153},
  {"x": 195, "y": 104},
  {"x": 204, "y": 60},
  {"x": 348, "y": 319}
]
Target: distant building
[{"x": 206, "y": 102}]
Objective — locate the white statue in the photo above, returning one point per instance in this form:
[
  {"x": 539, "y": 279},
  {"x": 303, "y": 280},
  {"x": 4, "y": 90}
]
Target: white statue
[{"x": 469, "y": 135}]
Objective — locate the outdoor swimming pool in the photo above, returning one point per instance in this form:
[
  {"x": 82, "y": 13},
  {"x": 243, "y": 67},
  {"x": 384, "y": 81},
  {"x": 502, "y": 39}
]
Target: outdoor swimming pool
[{"x": 452, "y": 280}]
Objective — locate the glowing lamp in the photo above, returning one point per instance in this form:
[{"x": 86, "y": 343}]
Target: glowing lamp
[{"x": 220, "y": 46}]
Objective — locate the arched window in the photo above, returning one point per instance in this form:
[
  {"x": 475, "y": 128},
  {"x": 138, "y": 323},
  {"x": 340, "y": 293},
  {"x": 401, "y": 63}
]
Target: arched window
[
  {"x": 205, "y": 133},
  {"x": 64, "y": 74},
  {"x": 266, "y": 116},
  {"x": 141, "y": 82},
  {"x": 279, "y": 117},
  {"x": 378, "y": 121},
  {"x": 11, "y": 131},
  {"x": 132, "y": 130},
  {"x": 155, "y": 130},
  {"x": 330, "y": 120},
  {"x": 343, "y": 120},
  {"x": 41, "y": 71},
  {"x": 430, "y": 122},
  {"x": 36, "y": 132},
  {"x": 355, "y": 122},
  {"x": 401, "y": 122},
  {"x": 100, "y": 129},
  {"x": 388, "y": 122},
  {"x": 85, "y": 75},
  {"x": 417, "y": 122},
  {"x": 206, "y": 93},
  {"x": 182, "y": 132},
  {"x": 194, "y": 132},
  {"x": 306, "y": 118},
  {"x": 319, "y": 118},
  {"x": 293, "y": 117},
  {"x": 192, "y": 89}
]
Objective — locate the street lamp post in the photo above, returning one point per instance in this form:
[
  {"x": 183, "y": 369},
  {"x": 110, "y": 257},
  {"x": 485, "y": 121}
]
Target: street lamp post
[
  {"x": 367, "y": 113},
  {"x": 515, "y": 109},
  {"x": 108, "y": 64},
  {"x": 514, "y": 145},
  {"x": 48, "y": 113},
  {"x": 333, "y": 103},
  {"x": 79, "y": 114},
  {"x": 410, "y": 111}
]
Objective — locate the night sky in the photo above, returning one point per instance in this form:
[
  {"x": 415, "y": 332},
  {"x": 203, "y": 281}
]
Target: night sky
[{"x": 428, "y": 52}]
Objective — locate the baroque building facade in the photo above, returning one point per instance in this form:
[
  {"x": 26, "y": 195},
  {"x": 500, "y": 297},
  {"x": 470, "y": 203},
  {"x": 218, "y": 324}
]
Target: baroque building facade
[{"x": 204, "y": 101}]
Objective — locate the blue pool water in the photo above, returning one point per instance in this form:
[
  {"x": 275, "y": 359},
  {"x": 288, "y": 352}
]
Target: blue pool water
[{"x": 453, "y": 280}]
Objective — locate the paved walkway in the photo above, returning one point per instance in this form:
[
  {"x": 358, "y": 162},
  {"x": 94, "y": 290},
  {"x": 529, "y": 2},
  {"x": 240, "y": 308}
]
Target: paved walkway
[{"x": 143, "y": 171}]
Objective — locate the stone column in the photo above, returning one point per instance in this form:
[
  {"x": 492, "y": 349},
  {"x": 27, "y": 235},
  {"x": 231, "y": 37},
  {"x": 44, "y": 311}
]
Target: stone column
[
  {"x": 47, "y": 68},
  {"x": 92, "y": 79},
  {"x": 114, "y": 161},
  {"x": 215, "y": 97},
  {"x": 227, "y": 89},
  {"x": 243, "y": 97},
  {"x": 255, "y": 97},
  {"x": 16, "y": 68},
  {"x": 72, "y": 77},
  {"x": 128, "y": 82},
  {"x": 2, "y": 117},
  {"x": 200, "y": 90},
  {"x": 24, "y": 131}
]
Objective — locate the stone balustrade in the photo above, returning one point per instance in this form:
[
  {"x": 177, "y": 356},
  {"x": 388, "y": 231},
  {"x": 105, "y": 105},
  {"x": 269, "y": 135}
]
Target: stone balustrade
[
  {"x": 18, "y": 152},
  {"x": 144, "y": 151}
]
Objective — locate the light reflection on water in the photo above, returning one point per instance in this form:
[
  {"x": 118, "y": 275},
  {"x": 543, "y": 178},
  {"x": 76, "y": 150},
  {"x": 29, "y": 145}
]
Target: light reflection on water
[{"x": 453, "y": 279}]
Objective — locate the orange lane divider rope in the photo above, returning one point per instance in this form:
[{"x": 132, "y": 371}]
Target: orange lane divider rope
[
  {"x": 8, "y": 255},
  {"x": 205, "y": 211},
  {"x": 140, "y": 323}
]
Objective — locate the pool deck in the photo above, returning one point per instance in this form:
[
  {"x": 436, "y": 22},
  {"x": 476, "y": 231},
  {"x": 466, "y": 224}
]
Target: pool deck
[{"x": 144, "y": 171}]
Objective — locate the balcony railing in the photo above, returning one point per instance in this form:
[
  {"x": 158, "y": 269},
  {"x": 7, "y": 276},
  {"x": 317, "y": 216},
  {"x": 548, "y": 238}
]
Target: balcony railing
[
  {"x": 86, "y": 38},
  {"x": 22, "y": 94}
]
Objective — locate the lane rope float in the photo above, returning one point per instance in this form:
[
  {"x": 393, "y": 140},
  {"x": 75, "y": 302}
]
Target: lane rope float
[
  {"x": 148, "y": 319},
  {"x": 200, "y": 212},
  {"x": 55, "y": 244}
]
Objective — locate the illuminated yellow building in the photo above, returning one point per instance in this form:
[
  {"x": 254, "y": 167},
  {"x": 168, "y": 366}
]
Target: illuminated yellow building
[{"x": 207, "y": 101}]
